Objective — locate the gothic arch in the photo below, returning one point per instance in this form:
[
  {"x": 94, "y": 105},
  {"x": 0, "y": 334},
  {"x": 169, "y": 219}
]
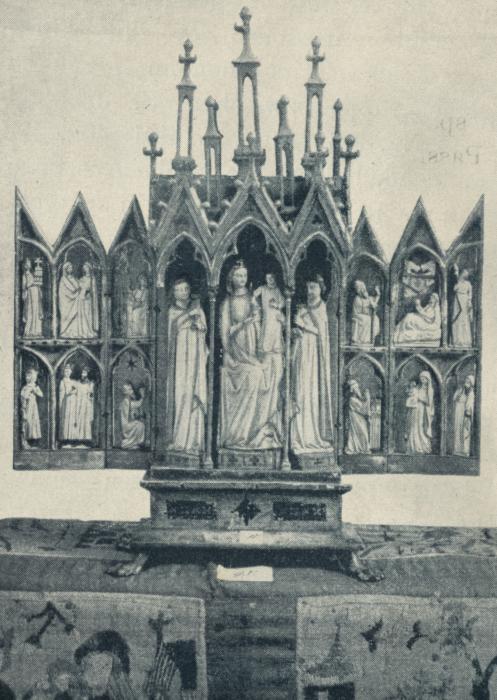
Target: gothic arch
[
  {"x": 74, "y": 350},
  {"x": 458, "y": 364},
  {"x": 301, "y": 247},
  {"x": 131, "y": 347},
  {"x": 231, "y": 237},
  {"x": 31, "y": 351},
  {"x": 366, "y": 358},
  {"x": 423, "y": 360},
  {"x": 166, "y": 253}
]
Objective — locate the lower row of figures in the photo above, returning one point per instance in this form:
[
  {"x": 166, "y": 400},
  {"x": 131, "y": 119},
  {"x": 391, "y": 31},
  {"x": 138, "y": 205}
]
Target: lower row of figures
[{"x": 417, "y": 414}]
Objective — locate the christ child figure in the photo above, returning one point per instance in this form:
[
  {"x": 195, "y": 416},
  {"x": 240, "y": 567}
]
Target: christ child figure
[{"x": 271, "y": 302}]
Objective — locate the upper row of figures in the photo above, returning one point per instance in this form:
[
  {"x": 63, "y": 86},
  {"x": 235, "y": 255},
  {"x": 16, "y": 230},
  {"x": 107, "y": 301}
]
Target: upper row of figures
[{"x": 418, "y": 317}]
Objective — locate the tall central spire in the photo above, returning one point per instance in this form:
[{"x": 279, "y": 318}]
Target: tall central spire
[
  {"x": 314, "y": 160},
  {"x": 246, "y": 65}
]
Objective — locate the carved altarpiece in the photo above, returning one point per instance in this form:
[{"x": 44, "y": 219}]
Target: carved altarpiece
[{"x": 258, "y": 282}]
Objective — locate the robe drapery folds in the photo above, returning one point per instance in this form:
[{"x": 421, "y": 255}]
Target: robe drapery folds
[
  {"x": 250, "y": 379},
  {"x": 137, "y": 313},
  {"x": 420, "y": 414},
  {"x": 462, "y": 314},
  {"x": 78, "y": 304},
  {"x": 423, "y": 326},
  {"x": 32, "y": 307},
  {"x": 132, "y": 428},
  {"x": 358, "y": 424},
  {"x": 312, "y": 420},
  {"x": 31, "y": 428},
  {"x": 464, "y": 408},
  {"x": 68, "y": 409},
  {"x": 365, "y": 322},
  {"x": 187, "y": 385}
]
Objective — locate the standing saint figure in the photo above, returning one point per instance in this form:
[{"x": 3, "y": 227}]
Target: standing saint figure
[
  {"x": 312, "y": 423},
  {"x": 358, "y": 417},
  {"x": 137, "y": 309},
  {"x": 187, "y": 360},
  {"x": 250, "y": 376},
  {"x": 365, "y": 321},
  {"x": 30, "y": 426},
  {"x": 462, "y": 310},
  {"x": 78, "y": 303},
  {"x": 89, "y": 302},
  {"x": 422, "y": 326},
  {"x": 68, "y": 406},
  {"x": 131, "y": 414},
  {"x": 32, "y": 304},
  {"x": 420, "y": 406},
  {"x": 272, "y": 304},
  {"x": 85, "y": 406},
  {"x": 464, "y": 409}
]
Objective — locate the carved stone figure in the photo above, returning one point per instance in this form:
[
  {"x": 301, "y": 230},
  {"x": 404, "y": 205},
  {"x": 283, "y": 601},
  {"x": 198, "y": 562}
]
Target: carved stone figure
[
  {"x": 187, "y": 359},
  {"x": 422, "y": 326},
  {"x": 462, "y": 310},
  {"x": 32, "y": 300},
  {"x": 272, "y": 303},
  {"x": 358, "y": 420},
  {"x": 76, "y": 406},
  {"x": 78, "y": 302},
  {"x": 420, "y": 406},
  {"x": 464, "y": 408},
  {"x": 365, "y": 322},
  {"x": 138, "y": 309},
  {"x": 131, "y": 414},
  {"x": 30, "y": 392},
  {"x": 85, "y": 406},
  {"x": 312, "y": 422},
  {"x": 68, "y": 398},
  {"x": 250, "y": 379}
]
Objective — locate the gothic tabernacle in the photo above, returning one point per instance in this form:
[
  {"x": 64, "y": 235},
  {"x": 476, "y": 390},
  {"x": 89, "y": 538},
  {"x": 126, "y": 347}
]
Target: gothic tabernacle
[{"x": 248, "y": 344}]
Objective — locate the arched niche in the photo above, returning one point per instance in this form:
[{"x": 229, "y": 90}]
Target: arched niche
[
  {"x": 364, "y": 406},
  {"x": 462, "y": 416},
  {"x": 417, "y": 410},
  {"x": 464, "y": 294},
  {"x": 418, "y": 294},
  {"x": 132, "y": 291},
  {"x": 35, "y": 292},
  {"x": 366, "y": 302},
  {"x": 259, "y": 342},
  {"x": 35, "y": 389},
  {"x": 79, "y": 390},
  {"x": 131, "y": 400},
  {"x": 79, "y": 292}
]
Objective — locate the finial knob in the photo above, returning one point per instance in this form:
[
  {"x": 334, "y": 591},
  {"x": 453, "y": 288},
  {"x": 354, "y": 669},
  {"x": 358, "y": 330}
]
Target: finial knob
[
  {"x": 153, "y": 137},
  {"x": 338, "y": 105},
  {"x": 188, "y": 46},
  {"x": 211, "y": 102},
  {"x": 349, "y": 141},
  {"x": 316, "y": 45},
  {"x": 245, "y": 14},
  {"x": 283, "y": 101},
  {"x": 252, "y": 142}
]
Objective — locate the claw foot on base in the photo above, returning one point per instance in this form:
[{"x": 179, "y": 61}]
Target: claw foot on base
[
  {"x": 129, "y": 568},
  {"x": 351, "y": 564}
]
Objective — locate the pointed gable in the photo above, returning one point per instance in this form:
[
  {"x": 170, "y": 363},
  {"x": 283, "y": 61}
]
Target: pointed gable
[
  {"x": 418, "y": 232},
  {"x": 472, "y": 230},
  {"x": 252, "y": 201},
  {"x": 319, "y": 212},
  {"x": 364, "y": 239},
  {"x": 79, "y": 225},
  {"x": 26, "y": 227},
  {"x": 132, "y": 227},
  {"x": 183, "y": 212}
]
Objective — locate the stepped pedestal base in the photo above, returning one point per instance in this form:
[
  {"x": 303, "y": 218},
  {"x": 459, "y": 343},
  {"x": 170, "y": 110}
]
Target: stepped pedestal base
[{"x": 209, "y": 511}]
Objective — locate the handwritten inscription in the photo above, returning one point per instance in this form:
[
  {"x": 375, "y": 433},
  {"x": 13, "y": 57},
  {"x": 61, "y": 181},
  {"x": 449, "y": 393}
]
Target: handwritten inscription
[{"x": 468, "y": 155}]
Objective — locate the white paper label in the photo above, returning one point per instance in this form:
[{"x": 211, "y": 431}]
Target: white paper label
[{"x": 260, "y": 574}]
